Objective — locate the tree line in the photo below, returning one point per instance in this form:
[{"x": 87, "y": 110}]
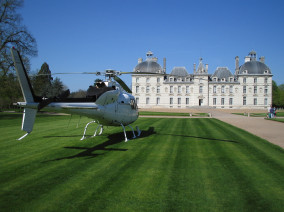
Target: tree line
[{"x": 277, "y": 95}]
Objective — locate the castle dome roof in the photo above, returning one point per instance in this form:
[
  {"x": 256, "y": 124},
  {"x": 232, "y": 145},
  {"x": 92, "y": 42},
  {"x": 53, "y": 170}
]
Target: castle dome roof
[
  {"x": 254, "y": 67},
  {"x": 149, "y": 66}
]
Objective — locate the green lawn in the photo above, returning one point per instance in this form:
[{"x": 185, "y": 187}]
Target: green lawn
[
  {"x": 176, "y": 165},
  {"x": 153, "y": 113},
  {"x": 277, "y": 119},
  {"x": 279, "y": 114}
]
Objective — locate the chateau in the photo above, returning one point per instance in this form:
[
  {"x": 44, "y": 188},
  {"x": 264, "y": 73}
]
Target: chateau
[{"x": 249, "y": 87}]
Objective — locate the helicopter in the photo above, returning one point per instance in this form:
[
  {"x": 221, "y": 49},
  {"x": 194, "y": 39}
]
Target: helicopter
[{"x": 109, "y": 103}]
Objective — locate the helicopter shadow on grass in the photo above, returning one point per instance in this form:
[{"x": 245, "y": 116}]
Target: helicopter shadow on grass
[{"x": 88, "y": 152}]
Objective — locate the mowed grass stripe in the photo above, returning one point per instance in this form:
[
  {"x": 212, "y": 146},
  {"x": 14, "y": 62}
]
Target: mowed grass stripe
[
  {"x": 250, "y": 171},
  {"x": 102, "y": 184},
  {"x": 180, "y": 164}
]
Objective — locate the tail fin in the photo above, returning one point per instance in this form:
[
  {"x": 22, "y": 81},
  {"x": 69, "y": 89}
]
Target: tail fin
[
  {"x": 30, "y": 105},
  {"x": 22, "y": 76}
]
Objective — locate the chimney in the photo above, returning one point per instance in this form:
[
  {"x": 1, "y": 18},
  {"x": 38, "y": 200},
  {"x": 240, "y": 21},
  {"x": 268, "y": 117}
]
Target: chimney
[
  {"x": 206, "y": 68},
  {"x": 155, "y": 59},
  {"x": 194, "y": 68},
  {"x": 247, "y": 59},
  {"x": 140, "y": 60},
  {"x": 237, "y": 64},
  {"x": 164, "y": 65},
  {"x": 262, "y": 59}
]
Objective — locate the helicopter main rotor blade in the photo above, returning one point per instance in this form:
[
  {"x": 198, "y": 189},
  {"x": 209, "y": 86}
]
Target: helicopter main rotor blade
[
  {"x": 122, "y": 84},
  {"x": 96, "y": 73}
]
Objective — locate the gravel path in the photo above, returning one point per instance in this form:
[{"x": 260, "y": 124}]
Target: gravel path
[{"x": 271, "y": 131}]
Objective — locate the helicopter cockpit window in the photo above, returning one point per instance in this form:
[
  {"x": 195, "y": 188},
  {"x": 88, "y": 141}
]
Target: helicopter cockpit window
[{"x": 133, "y": 104}]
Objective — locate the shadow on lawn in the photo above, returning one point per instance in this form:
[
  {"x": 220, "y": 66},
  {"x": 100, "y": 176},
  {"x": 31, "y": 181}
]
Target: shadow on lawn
[
  {"x": 205, "y": 138},
  {"x": 112, "y": 139}
]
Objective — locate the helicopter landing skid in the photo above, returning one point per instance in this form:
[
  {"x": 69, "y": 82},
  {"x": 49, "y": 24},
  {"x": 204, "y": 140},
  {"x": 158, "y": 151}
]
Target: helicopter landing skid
[
  {"x": 134, "y": 136},
  {"x": 99, "y": 125}
]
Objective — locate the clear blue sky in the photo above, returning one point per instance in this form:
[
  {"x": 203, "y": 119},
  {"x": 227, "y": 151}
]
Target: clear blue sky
[{"x": 93, "y": 35}]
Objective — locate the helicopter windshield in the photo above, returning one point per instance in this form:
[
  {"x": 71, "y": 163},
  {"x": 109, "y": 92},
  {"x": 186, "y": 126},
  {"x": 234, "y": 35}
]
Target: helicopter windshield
[{"x": 133, "y": 104}]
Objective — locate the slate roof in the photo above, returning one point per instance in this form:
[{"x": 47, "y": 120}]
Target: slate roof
[
  {"x": 149, "y": 66},
  {"x": 222, "y": 72},
  {"x": 179, "y": 71},
  {"x": 254, "y": 67}
]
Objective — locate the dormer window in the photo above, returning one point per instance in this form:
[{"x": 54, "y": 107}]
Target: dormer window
[
  {"x": 245, "y": 71},
  {"x": 266, "y": 72},
  {"x": 223, "y": 79},
  {"x": 215, "y": 79},
  {"x": 231, "y": 79}
]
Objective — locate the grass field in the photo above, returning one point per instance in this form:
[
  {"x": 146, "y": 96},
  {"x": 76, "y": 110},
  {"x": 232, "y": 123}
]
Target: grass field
[
  {"x": 153, "y": 113},
  {"x": 277, "y": 119},
  {"x": 279, "y": 114},
  {"x": 176, "y": 165}
]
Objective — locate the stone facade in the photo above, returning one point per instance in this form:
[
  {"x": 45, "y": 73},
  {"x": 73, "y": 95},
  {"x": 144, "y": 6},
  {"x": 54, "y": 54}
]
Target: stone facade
[{"x": 249, "y": 87}]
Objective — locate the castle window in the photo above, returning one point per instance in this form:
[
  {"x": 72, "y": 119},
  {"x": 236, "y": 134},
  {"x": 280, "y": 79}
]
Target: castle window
[
  {"x": 187, "y": 101},
  {"x": 214, "y": 101},
  {"x": 137, "y": 89},
  {"x": 171, "y": 101},
  {"x": 158, "y": 89},
  {"x": 231, "y": 89},
  {"x": 266, "y": 90},
  {"x": 255, "y": 89},
  {"x": 179, "y": 101},
  {"x": 147, "y": 80},
  {"x": 255, "y": 101},
  {"x": 147, "y": 100},
  {"x": 147, "y": 89},
  {"x": 214, "y": 88},
  {"x": 223, "y": 89},
  {"x": 255, "y": 80},
  {"x": 200, "y": 89},
  {"x": 244, "y": 100},
  {"x": 265, "y": 80},
  {"x": 222, "y": 101},
  {"x": 187, "y": 89},
  {"x": 158, "y": 80},
  {"x": 171, "y": 89},
  {"x": 137, "y": 100},
  {"x": 137, "y": 79},
  {"x": 244, "y": 89},
  {"x": 231, "y": 101},
  {"x": 158, "y": 101},
  {"x": 265, "y": 101},
  {"x": 244, "y": 80},
  {"x": 179, "y": 89}
]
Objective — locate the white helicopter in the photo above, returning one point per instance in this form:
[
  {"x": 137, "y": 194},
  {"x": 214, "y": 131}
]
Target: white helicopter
[{"x": 110, "y": 104}]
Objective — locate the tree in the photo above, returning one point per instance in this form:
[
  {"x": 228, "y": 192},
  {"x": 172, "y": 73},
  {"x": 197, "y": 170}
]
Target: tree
[
  {"x": 57, "y": 87},
  {"x": 275, "y": 94},
  {"x": 281, "y": 95},
  {"x": 44, "y": 85},
  {"x": 78, "y": 94},
  {"x": 42, "y": 81},
  {"x": 12, "y": 33}
]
